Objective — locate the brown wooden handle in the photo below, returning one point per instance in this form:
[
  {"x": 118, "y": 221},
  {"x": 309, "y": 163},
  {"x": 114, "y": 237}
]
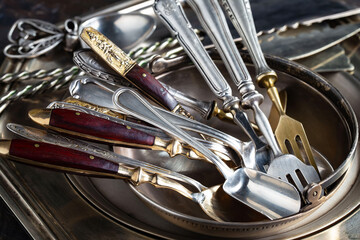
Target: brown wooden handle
[
  {"x": 52, "y": 156},
  {"x": 145, "y": 82},
  {"x": 96, "y": 128}
]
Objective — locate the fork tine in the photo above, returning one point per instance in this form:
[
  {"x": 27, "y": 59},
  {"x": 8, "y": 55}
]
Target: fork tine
[
  {"x": 281, "y": 143},
  {"x": 308, "y": 151},
  {"x": 295, "y": 147}
]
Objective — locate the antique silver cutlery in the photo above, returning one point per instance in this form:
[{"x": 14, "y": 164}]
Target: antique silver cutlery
[
  {"x": 292, "y": 169},
  {"x": 244, "y": 184}
]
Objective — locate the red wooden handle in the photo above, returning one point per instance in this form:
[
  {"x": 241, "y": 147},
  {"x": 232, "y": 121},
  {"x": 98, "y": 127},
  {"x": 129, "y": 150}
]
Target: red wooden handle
[
  {"x": 43, "y": 154},
  {"x": 152, "y": 87},
  {"x": 87, "y": 124}
]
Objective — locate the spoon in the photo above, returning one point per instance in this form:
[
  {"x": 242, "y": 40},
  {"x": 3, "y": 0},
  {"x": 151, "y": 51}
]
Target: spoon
[{"x": 270, "y": 196}]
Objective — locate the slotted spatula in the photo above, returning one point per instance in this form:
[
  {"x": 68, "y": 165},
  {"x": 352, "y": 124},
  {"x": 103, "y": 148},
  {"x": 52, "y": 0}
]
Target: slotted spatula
[{"x": 289, "y": 132}]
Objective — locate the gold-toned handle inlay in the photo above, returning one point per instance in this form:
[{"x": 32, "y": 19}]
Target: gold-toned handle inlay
[
  {"x": 96, "y": 108},
  {"x": 108, "y": 51}
]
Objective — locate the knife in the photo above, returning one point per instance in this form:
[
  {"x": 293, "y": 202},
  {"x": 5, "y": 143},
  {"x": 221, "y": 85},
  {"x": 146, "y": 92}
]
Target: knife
[
  {"x": 43, "y": 136},
  {"x": 306, "y": 41},
  {"x": 106, "y": 113},
  {"x": 92, "y": 128},
  {"x": 130, "y": 70},
  {"x": 73, "y": 161}
]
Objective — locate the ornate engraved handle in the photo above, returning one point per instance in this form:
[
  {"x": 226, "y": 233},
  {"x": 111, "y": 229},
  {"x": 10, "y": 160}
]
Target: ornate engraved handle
[
  {"x": 73, "y": 161},
  {"x": 130, "y": 70},
  {"x": 214, "y": 22},
  {"x": 173, "y": 16},
  {"x": 89, "y": 62},
  {"x": 30, "y": 38},
  {"x": 240, "y": 14}
]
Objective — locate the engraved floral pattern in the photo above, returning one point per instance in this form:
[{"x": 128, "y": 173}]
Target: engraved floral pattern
[{"x": 109, "y": 51}]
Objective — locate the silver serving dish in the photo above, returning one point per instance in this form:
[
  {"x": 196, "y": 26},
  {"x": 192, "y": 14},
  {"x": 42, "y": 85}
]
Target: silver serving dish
[{"x": 318, "y": 105}]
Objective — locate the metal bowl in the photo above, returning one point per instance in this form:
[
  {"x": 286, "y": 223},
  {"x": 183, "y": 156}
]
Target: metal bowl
[{"x": 331, "y": 127}]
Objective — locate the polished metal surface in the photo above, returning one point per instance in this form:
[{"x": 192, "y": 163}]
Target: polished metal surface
[
  {"x": 289, "y": 131},
  {"x": 50, "y": 206},
  {"x": 116, "y": 24},
  {"x": 101, "y": 94},
  {"x": 90, "y": 63},
  {"x": 188, "y": 212},
  {"x": 174, "y": 18},
  {"x": 244, "y": 184}
]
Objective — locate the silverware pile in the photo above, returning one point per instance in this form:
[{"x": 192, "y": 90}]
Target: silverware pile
[{"x": 274, "y": 174}]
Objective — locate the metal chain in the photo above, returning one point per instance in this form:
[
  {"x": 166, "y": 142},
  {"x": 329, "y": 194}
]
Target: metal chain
[
  {"x": 38, "y": 74},
  {"x": 55, "y": 83}
]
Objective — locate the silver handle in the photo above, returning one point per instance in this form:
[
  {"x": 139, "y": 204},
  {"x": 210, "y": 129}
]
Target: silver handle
[
  {"x": 239, "y": 12},
  {"x": 173, "y": 16},
  {"x": 214, "y": 22},
  {"x": 133, "y": 104}
]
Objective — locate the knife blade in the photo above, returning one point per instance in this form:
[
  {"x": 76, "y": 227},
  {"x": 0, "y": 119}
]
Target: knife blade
[{"x": 306, "y": 41}]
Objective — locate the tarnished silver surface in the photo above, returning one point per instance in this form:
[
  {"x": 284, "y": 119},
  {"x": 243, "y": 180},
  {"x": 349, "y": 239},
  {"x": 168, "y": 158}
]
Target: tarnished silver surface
[
  {"x": 308, "y": 40},
  {"x": 333, "y": 59}
]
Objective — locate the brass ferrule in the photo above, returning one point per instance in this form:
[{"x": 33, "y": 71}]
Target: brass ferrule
[
  {"x": 40, "y": 116},
  {"x": 180, "y": 110},
  {"x": 267, "y": 80},
  {"x": 219, "y": 113}
]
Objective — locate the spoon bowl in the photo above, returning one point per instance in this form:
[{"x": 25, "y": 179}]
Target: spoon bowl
[{"x": 133, "y": 28}]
